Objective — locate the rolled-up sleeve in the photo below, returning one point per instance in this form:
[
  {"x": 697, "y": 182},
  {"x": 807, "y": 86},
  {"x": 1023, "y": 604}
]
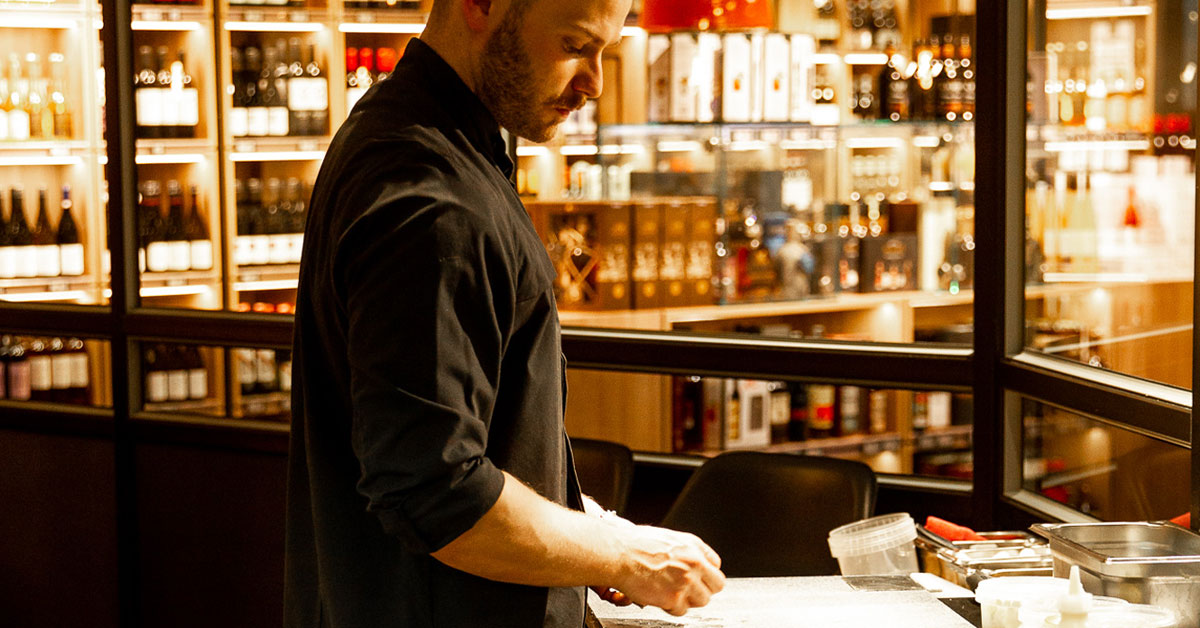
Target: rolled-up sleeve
[{"x": 425, "y": 293}]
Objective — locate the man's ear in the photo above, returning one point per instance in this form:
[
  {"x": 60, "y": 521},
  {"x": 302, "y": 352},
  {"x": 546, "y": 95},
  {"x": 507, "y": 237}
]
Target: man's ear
[{"x": 477, "y": 13}]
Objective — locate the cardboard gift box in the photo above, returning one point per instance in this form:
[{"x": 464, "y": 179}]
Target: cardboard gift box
[{"x": 590, "y": 245}]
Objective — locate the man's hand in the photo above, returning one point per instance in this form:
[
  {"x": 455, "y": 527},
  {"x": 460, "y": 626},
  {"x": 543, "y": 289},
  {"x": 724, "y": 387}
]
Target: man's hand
[{"x": 672, "y": 570}]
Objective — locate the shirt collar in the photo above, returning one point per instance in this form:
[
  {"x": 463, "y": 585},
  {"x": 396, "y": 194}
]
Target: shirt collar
[{"x": 463, "y": 106}]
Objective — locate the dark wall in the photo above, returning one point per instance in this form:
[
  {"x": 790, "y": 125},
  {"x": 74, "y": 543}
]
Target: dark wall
[{"x": 58, "y": 559}]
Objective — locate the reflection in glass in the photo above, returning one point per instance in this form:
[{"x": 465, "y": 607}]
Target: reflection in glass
[
  {"x": 1110, "y": 198},
  {"x": 1100, "y": 470},
  {"x": 893, "y": 431}
]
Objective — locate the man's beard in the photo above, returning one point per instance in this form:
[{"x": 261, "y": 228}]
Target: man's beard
[{"x": 507, "y": 86}]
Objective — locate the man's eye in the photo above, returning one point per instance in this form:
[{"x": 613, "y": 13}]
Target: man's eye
[{"x": 572, "y": 49}]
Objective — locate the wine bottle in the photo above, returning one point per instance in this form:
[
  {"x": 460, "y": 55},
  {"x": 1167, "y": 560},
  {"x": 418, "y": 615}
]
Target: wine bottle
[
  {"x": 187, "y": 97},
  {"x": 196, "y": 231},
  {"x": 259, "y": 241},
  {"x": 179, "y": 254},
  {"x": 169, "y": 96},
  {"x": 850, "y": 401},
  {"x": 275, "y": 211},
  {"x": 41, "y": 121},
  {"x": 239, "y": 121},
  {"x": 49, "y": 257},
  {"x": 177, "y": 373},
  {"x": 60, "y": 371},
  {"x": 197, "y": 374},
  {"x": 156, "y": 376},
  {"x": 69, "y": 245},
  {"x": 294, "y": 221},
  {"x": 8, "y": 253},
  {"x": 41, "y": 371},
  {"x": 158, "y": 258},
  {"x": 21, "y": 238},
  {"x": 275, "y": 66},
  {"x": 258, "y": 122},
  {"x": 299, "y": 113},
  {"x": 267, "y": 374},
  {"x": 78, "y": 391},
  {"x": 148, "y": 98},
  {"x": 316, "y": 87},
  {"x": 19, "y": 385},
  {"x": 18, "y": 94},
  {"x": 247, "y": 370}
]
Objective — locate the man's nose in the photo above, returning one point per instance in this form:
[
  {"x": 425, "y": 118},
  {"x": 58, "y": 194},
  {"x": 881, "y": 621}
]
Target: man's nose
[{"x": 589, "y": 77}]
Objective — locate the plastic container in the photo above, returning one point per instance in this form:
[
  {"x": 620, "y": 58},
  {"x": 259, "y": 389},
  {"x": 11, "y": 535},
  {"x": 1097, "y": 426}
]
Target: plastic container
[
  {"x": 1000, "y": 599},
  {"x": 877, "y": 546}
]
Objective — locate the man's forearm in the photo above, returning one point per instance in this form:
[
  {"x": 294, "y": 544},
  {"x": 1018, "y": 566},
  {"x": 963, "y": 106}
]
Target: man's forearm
[{"x": 526, "y": 539}]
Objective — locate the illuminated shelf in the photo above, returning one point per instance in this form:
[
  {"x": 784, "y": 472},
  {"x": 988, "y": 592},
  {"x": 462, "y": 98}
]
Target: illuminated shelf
[
  {"x": 196, "y": 406},
  {"x": 856, "y": 445},
  {"x": 156, "y": 17},
  {"x": 175, "y": 284},
  {"x": 42, "y": 289},
  {"x": 279, "y": 148},
  {"x": 275, "y": 20},
  {"x": 271, "y": 277},
  {"x": 172, "y": 151},
  {"x": 398, "y": 21},
  {"x": 37, "y": 15},
  {"x": 954, "y": 437},
  {"x": 40, "y": 153}
]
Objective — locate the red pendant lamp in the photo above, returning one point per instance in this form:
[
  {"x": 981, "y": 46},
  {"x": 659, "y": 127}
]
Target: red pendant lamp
[{"x": 704, "y": 15}]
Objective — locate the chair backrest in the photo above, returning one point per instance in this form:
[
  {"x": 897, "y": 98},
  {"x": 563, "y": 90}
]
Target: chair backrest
[
  {"x": 605, "y": 471},
  {"x": 769, "y": 514}
]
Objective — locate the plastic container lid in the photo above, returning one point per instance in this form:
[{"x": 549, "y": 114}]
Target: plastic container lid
[
  {"x": 1133, "y": 616},
  {"x": 1020, "y": 590},
  {"x": 868, "y": 536}
]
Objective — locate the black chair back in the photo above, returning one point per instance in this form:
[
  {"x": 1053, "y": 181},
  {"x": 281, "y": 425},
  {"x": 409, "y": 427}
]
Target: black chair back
[
  {"x": 769, "y": 514},
  {"x": 605, "y": 471}
]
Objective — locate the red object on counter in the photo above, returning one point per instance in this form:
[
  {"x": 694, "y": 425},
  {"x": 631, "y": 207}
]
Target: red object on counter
[
  {"x": 1184, "y": 520},
  {"x": 951, "y": 531}
]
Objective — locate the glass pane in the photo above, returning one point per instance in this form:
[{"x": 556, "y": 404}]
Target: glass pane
[
  {"x": 817, "y": 172},
  {"x": 1104, "y": 471},
  {"x": 183, "y": 379},
  {"x": 50, "y": 174},
  {"x": 68, "y": 370},
  {"x": 894, "y": 431},
  {"x": 1110, "y": 203}
]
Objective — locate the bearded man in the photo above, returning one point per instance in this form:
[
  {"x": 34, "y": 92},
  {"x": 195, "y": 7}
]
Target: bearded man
[{"x": 430, "y": 477}]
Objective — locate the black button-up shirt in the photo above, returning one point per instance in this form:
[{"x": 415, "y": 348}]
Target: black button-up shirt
[{"x": 427, "y": 358}]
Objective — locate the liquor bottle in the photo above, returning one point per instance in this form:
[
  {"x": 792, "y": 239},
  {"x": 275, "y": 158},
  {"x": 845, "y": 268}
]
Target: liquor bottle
[
  {"x": 258, "y": 123},
  {"x": 276, "y": 96},
  {"x": 67, "y": 238},
  {"x": 157, "y": 386},
  {"x": 60, "y": 371},
  {"x": 18, "y": 93},
  {"x": 317, "y": 88},
  {"x": 267, "y": 374},
  {"x": 41, "y": 371},
  {"x": 20, "y": 238},
  {"x": 239, "y": 123},
  {"x": 148, "y": 97},
  {"x": 878, "y": 412},
  {"x": 920, "y": 411},
  {"x": 41, "y": 121},
  {"x": 179, "y": 254},
  {"x": 863, "y": 101},
  {"x": 186, "y": 98},
  {"x": 20, "y": 377},
  {"x": 200, "y": 251},
  {"x": 274, "y": 213},
  {"x": 780, "y": 410},
  {"x": 247, "y": 370},
  {"x": 79, "y": 388},
  {"x": 893, "y": 87},
  {"x": 8, "y": 253},
  {"x": 951, "y": 87},
  {"x": 822, "y": 403},
  {"x": 851, "y": 418},
  {"x": 158, "y": 259},
  {"x": 798, "y": 417},
  {"x": 49, "y": 262},
  {"x": 197, "y": 385},
  {"x": 921, "y": 93},
  {"x": 353, "y": 91}
]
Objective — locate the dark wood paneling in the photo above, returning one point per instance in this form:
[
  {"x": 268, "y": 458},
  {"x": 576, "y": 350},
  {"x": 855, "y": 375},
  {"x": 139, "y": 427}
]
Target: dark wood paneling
[
  {"x": 211, "y": 526},
  {"x": 58, "y": 559}
]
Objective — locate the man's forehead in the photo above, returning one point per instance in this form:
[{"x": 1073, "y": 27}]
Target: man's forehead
[{"x": 597, "y": 19}]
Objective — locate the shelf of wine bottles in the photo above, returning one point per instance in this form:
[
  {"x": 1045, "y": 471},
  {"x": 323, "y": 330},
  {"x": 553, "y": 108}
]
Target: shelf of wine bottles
[
  {"x": 56, "y": 370},
  {"x": 42, "y": 248},
  {"x": 270, "y": 221},
  {"x": 280, "y": 87},
  {"x": 179, "y": 378}
]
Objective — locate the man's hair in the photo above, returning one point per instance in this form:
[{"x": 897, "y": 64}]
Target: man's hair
[{"x": 441, "y": 9}]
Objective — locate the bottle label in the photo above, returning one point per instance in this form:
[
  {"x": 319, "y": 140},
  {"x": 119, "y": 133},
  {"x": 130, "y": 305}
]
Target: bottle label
[
  {"x": 158, "y": 257},
  {"x": 8, "y": 262},
  {"x": 257, "y": 121},
  {"x": 353, "y": 95},
  {"x": 71, "y": 259},
  {"x": 171, "y": 101},
  {"x": 3, "y": 136},
  {"x": 265, "y": 364},
  {"x": 247, "y": 373},
  {"x": 79, "y": 370},
  {"x": 177, "y": 385},
  {"x": 18, "y": 125},
  {"x": 295, "y": 247},
  {"x": 19, "y": 381},
  {"x": 308, "y": 94},
  {"x": 156, "y": 387},
  {"x": 278, "y": 246},
  {"x": 197, "y": 383},
  {"x": 201, "y": 253},
  {"x": 27, "y": 261},
  {"x": 277, "y": 121},
  {"x": 285, "y": 376},
  {"x": 149, "y": 103},
  {"x": 243, "y": 252},
  {"x": 60, "y": 366},
  {"x": 41, "y": 373},
  {"x": 49, "y": 261},
  {"x": 260, "y": 249},
  {"x": 189, "y": 107},
  {"x": 239, "y": 122},
  {"x": 179, "y": 255}
]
